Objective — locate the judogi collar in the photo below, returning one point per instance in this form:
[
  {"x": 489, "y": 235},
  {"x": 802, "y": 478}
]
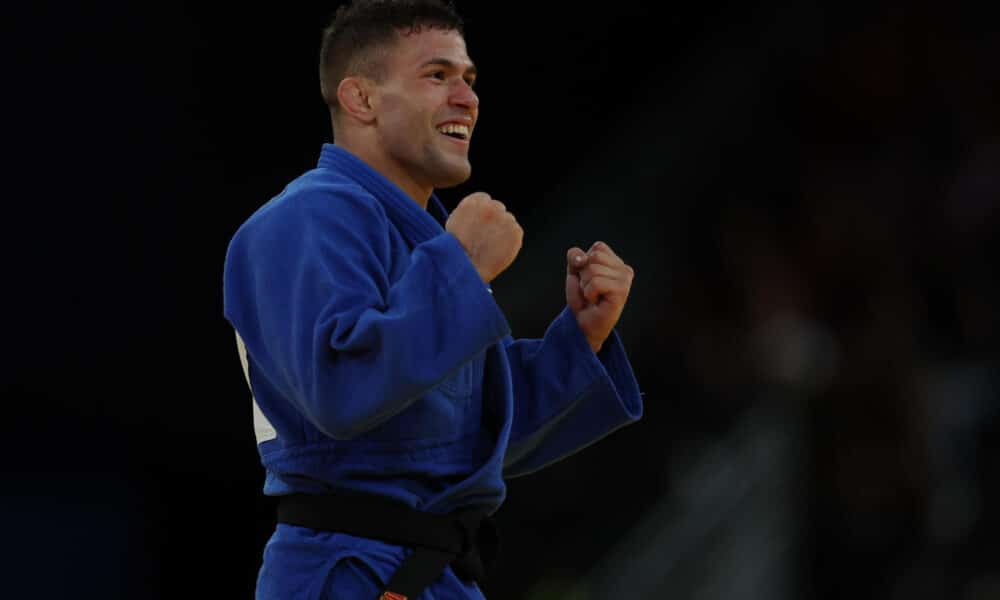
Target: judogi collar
[{"x": 416, "y": 225}]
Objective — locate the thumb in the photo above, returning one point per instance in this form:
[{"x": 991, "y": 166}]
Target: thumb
[{"x": 576, "y": 259}]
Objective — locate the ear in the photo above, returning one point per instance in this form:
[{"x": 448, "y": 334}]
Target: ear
[{"x": 356, "y": 98}]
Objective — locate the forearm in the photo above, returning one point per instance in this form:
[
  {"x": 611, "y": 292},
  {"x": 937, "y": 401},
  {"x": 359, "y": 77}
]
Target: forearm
[{"x": 566, "y": 396}]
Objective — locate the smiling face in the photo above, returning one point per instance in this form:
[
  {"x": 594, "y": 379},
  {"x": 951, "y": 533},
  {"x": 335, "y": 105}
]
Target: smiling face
[{"x": 425, "y": 111}]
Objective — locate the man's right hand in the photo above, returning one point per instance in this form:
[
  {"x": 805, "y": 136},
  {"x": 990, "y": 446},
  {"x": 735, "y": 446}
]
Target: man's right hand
[{"x": 490, "y": 235}]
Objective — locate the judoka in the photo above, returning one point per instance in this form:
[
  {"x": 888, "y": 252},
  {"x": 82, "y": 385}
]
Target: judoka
[{"x": 390, "y": 400}]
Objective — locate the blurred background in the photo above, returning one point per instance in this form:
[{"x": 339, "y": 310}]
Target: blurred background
[{"x": 808, "y": 191}]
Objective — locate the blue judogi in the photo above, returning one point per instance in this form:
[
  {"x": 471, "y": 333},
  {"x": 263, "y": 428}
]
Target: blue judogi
[{"x": 380, "y": 363}]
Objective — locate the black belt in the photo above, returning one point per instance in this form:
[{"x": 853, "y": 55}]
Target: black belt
[{"x": 467, "y": 539}]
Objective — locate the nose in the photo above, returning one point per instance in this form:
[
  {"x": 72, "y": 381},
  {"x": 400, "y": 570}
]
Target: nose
[{"x": 462, "y": 95}]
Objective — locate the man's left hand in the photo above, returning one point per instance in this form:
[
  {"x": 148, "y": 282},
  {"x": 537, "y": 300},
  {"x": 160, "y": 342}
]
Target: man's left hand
[{"x": 597, "y": 286}]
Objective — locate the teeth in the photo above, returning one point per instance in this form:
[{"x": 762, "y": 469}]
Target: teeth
[{"x": 463, "y": 130}]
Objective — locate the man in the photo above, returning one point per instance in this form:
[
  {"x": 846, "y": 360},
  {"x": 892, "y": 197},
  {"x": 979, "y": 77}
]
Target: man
[{"x": 389, "y": 399}]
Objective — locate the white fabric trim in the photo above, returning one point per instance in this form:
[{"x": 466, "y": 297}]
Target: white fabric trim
[{"x": 262, "y": 428}]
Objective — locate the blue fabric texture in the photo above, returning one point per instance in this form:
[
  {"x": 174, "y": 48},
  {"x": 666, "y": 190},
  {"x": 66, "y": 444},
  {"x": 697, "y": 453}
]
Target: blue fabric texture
[{"x": 384, "y": 365}]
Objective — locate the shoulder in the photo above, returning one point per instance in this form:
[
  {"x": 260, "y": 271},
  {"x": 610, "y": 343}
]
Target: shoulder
[{"x": 318, "y": 200}]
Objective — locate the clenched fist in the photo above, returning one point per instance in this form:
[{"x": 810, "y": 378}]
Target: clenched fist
[
  {"x": 490, "y": 235},
  {"x": 597, "y": 286}
]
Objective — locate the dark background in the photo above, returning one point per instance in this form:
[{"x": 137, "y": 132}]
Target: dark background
[{"x": 808, "y": 192}]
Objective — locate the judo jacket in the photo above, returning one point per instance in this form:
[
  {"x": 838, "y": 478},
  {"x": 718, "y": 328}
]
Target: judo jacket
[{"x": 379, "y": 362}]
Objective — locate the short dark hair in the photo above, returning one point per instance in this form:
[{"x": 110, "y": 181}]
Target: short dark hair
[{"x": 360, "y": 30}]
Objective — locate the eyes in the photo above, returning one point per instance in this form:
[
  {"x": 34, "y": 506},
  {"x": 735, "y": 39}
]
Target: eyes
[{"x": 442, "y": 76}]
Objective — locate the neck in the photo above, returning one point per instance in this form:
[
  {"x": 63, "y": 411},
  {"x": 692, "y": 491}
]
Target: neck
[{"x": 392, "y": 171}]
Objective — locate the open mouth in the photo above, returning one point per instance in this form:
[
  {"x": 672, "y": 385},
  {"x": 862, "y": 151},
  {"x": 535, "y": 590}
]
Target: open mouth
[{"x": 455, "y": 131}]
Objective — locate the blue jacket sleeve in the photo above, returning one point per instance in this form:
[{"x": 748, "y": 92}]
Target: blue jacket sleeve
[
  {"x": 565, "y": 396},
  {"x": 309, "y": 286}
]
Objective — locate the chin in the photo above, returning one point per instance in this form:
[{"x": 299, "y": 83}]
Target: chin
[{"x": 453, "y": 177}]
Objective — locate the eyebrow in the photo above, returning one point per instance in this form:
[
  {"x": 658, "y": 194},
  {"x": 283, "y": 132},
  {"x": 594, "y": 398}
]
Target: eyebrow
[{"x": 450, "y": 64}]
